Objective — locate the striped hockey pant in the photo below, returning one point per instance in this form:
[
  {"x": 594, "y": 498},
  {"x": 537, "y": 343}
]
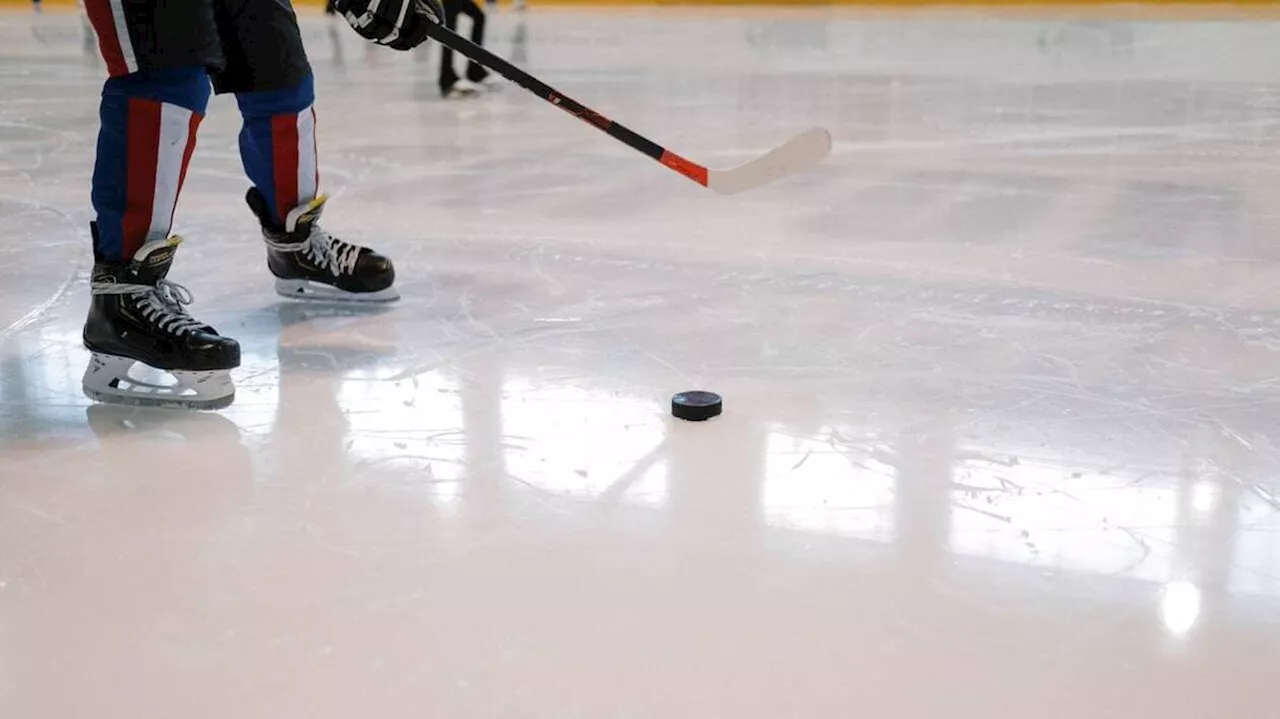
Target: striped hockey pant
[{"x": 165, "y": 59}]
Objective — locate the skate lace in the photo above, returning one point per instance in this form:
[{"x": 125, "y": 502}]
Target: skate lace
[
  {"x": 324, "y": 250},
  {"x": 161, "y": 304}
]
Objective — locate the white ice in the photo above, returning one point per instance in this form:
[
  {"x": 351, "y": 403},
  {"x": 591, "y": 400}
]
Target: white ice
[{"x": 1001, "y": 431}]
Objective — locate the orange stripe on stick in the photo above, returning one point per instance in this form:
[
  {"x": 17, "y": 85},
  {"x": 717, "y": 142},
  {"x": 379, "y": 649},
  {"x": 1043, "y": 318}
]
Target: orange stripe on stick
[{"x": 691, "y": 170}]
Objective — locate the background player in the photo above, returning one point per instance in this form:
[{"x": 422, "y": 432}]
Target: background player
[{"x": 451, "y": 85}]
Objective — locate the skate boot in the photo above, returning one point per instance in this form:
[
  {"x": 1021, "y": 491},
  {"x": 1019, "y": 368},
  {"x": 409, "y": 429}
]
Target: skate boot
[
  {"x": 137, "y": 317},
  {"x": 311, "y": 264}
]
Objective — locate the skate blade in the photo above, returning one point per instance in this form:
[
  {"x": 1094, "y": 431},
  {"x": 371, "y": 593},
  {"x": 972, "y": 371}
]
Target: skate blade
[
  {"x": 111, "y": 379},
  {"x": 320, "y": 292}
]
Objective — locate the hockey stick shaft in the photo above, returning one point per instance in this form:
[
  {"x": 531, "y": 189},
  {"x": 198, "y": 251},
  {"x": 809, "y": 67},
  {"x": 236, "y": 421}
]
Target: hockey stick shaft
[{"x": 627, "y": 136}]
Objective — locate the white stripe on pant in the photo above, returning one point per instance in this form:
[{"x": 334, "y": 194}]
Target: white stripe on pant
[
  {"x": 122, "y": 35},
  {"x": 307, "y": 171},
  {"x": 175, "y": 134}
]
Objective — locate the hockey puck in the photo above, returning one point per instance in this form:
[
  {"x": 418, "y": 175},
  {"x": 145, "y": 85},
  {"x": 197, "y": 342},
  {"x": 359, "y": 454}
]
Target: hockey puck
[{"x": 696, "y": 405}]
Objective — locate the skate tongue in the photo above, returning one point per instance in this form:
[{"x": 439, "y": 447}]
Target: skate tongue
[
  {"x": 152, "y": 260},
  {"x": 305, "y": 214}
]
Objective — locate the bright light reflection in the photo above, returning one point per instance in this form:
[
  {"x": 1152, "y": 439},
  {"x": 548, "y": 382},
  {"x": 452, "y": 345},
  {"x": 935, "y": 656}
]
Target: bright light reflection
[
  {"x": 818, "y": 484},
  {"x": 1204, "y": 495},
  {"x": 413, "y": 424},
  {"x": 1180, "y": 607},
  {"x": 575, "y": 441},
  {"x": 1047, "y": 515}
]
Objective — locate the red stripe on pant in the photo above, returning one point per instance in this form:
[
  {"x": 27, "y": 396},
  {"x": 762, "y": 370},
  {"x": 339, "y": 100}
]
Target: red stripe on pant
[
  {"x": 104, "y": 24},
  {"x": 141, "y": 156},
  {"x": 284, "y": 161}
]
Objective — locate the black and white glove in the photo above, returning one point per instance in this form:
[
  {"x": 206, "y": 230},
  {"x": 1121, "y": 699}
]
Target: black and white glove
[{"x": 398, "y": 24}]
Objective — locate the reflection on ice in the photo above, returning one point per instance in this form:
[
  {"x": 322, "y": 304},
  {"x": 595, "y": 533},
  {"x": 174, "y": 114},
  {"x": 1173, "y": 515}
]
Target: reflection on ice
[
  {"x": 1180, "y": 607},
  {"x": 828, "y": 485},
  {"x": 1053, "y": 516},
  {"x": 415, "y": 425},
  {"x": 575, "y": 441}
]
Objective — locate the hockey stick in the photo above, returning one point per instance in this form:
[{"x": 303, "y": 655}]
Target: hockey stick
[{"x": 799, "y": 153}]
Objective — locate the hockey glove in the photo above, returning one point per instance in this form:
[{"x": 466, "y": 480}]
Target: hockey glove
[{"x": 398, "y": 24}]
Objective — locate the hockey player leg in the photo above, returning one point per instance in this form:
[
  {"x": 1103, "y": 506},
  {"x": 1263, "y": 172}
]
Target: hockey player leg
[
  {"x": 268, "y": 71},
  {"x": 138, "y": 327},
  {"x": 278, "y": 147}
]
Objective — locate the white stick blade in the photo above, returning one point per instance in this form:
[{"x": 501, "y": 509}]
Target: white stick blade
[{"x": 797, "y": 154}]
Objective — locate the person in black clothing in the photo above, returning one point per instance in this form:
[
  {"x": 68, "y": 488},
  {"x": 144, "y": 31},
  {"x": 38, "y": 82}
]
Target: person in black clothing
[{"x": 451, "y": 85}]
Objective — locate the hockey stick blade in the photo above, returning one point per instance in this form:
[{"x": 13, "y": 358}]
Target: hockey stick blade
[
  {"x": 796, "y": 155},
  {"x": 800, "y": 153}
]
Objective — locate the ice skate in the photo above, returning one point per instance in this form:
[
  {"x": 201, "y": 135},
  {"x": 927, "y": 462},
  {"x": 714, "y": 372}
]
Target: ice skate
[
  {"x": 489, "y": 83},
  {"x": 311, "y": 264},
  {"x": 462, "y": 89},
  {"x": 146, "y": 349}
]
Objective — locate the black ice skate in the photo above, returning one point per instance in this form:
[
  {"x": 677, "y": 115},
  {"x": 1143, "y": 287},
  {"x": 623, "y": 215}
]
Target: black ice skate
[
  {"x": 311, "y": 264},
  {"x": 137, "y": 317}
]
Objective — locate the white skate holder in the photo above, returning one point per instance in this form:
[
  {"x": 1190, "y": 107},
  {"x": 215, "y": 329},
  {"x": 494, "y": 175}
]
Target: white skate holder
[{"x": 108, "y": 379}]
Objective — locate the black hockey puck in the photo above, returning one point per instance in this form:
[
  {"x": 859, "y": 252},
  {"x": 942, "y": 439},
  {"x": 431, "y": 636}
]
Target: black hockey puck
[{"x": 696, "y": 405}]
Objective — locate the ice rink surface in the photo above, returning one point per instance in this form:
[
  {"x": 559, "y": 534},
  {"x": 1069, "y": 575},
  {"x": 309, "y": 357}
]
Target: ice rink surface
[{"x": 1001, "y": 379}]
